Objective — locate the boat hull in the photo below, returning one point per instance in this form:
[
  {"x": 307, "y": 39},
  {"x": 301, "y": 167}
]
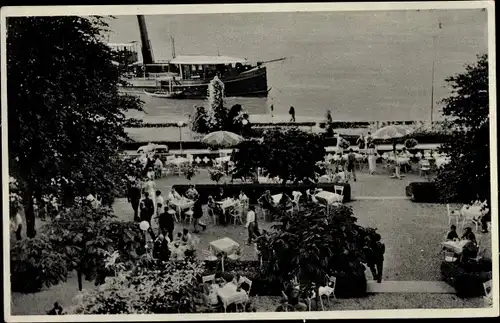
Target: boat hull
[{"x": 252, "y": 83}]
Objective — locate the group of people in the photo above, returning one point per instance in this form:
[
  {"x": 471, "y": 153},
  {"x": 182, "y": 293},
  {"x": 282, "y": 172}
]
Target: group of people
[{"x": 470, "y": 249}]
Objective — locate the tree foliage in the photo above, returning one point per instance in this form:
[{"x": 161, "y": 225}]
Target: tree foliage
[
  {"x": 467, "y": 176},
  {"x": 84, "y": 235},
  {"x": 312, "y": 244},
  {"x": 171, "y": 287},
  {"x": 66, "y": 116},
  {"x": 291, "y": 155}
]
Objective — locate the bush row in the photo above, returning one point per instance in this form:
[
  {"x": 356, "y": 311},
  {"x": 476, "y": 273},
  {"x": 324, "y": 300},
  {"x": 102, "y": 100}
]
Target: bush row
[
  {"x": 347, "y": 287},
  {"x": 425, "y": 192},
  {"x": 467, "y": 278},
  {"x": 254, "y": 191}
]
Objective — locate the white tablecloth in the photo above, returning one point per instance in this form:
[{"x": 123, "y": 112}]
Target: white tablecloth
[
  {"x": 329, "y": 197},
  {"x": 277, "y": 198},
  {"x": 226, "y": 245},
  {"x": 182, "y": 204},
  {"x": 177, "y": 161},
  {"x": 229, "y": 294},
  {"x": 455, "y": 246},
  {"x": 227, "y": 203}
]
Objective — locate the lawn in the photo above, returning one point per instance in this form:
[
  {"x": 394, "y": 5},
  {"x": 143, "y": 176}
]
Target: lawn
[{"x": 411, "y": 231}]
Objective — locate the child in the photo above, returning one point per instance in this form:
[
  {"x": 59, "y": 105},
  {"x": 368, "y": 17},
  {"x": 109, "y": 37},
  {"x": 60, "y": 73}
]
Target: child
[{"x": 452, "y": 234}]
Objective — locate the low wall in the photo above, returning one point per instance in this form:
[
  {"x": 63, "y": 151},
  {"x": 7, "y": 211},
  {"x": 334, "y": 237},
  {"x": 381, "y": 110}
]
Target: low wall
[{"x": 254, "y": 191}]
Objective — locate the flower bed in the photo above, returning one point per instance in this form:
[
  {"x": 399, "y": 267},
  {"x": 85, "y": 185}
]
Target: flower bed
[
  {"x": 254, "y": 191},
  {"x": 467, "y": 279},
  {"x": 423, "y": 192}
]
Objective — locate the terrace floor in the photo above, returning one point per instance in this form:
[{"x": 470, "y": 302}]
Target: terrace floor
[{"x": 411, "y": 231}]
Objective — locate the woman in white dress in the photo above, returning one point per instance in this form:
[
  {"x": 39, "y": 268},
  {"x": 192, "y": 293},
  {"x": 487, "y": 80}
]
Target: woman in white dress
[{"x": 372, "y": 158}]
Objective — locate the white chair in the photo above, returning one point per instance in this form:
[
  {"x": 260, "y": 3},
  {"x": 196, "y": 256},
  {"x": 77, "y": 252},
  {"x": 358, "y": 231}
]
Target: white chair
[
  {"x": 236, "y": 213},
  {"x": 209, "y": 256},
  {"x": 189, "y": 213},
  {"x": 452, "y": 214},
  {"x": 449, "y": 256},
  {"x": 425, "y": 167},
  {"x": 488, "y": 293},
  {"x": 327, "y": 290},
  {"x": 338, "y": 189},
  {"x": 233, "y": 256},
  {"x": 469, "y": 218},
  {"x": 244, "y": 280},
  {"x": 296, "y": 198}
]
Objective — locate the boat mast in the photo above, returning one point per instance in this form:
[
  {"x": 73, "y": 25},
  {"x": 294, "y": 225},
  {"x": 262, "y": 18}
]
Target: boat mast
[
  {"x": 173, "y": 46},
  {"x": 147, "y": 52}
]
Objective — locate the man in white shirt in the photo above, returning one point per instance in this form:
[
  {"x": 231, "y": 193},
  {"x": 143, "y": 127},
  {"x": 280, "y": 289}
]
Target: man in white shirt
[{"x": 251, "y": 224}]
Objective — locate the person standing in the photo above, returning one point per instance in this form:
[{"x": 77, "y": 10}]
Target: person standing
[
  {"x": 351, "y": 164},
  {"x": 292, "y": 114},
  {"x": 166, "y": 222},
  {"x": 160, "y": 248},
  {"x": 251, "y": 224},
  {"x": 149, "y": 187},
  {"x": 134, "y": 197},
  {"x": 197, "y": 215},
  {"x": 372, "y": 158},
  {"x": 148, "y": 208},
  {"x": 158, "y": 165},
  {"x": 16, "y": 222},
  {"x": 378, "y": 256},
  {"x": 361, "y": 141}
]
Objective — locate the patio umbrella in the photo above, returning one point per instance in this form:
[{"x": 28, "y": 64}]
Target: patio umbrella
[
  {"x": 391, "y": 132},
  {"x": 222, "y": 139}
]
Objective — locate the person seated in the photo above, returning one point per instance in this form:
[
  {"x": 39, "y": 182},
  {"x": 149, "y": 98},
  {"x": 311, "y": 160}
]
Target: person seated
[
  {"x": 242, "y": 196},
  {"x": 284, "y": 306},
  {"x": 160, "y": 248},
  {"x": 292, "y": 293},
  {"x": 56, "y": 310},
  {"x": 469, "y": 235},
  {"x": 186, "y": 238},
  {"x": 173, "y": 195},
  {"x": 210, "y": 290},
  {"x": 340, "y": 175},
  {"x": 178, "y": 238},
  {"x": 452, "y": 235},
  {"x": 220, "y": 196}
]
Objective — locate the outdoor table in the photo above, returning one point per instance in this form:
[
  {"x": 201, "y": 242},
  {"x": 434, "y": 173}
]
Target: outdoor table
[
  {"x": 226, "y": 245},
  {"x": 455, "y": 246},
  {"x": 182, "y": 204},
  {"x": 277, "y": 198},
  {"x": 328, "y": 197},
  {"x": 229, "y": 294}
]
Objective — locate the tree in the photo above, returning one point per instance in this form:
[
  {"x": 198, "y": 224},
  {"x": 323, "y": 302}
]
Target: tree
[
  {"x": 84, "y": 235},
  {"x": 290, "y": 155},
  {"x": 66, "y": 116},
  {"x": 312, "y": 244},
  {"x": 467, "y": 176},
  {"x": 247, "y": 156}
]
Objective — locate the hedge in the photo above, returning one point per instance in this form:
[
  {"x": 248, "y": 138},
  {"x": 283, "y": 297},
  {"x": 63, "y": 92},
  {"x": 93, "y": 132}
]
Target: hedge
[
  {"x": 467, "y": 278},
  {"x": 254, "y": 191},
  {"x": 423, "y": 192},
  {"x": 347, "y": 287}
]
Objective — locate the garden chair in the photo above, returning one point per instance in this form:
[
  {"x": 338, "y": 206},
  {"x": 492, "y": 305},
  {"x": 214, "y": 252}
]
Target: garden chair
[
  {"x": 452, "y": 214},
  {"x": 449, "y": 256},
  {"x": 212, "y": 215},
  {"x": 189, "y": 215},
  {"x": 338, "y": 189},
  {"x": 488, "y": 295},
  {"x": 425, "y": 167},
  {"x": 236, "y": 214},
  {"x": 327, "y": 290},
  {"x": 244, "y": 280},
  {"x": 471, "y": 220}
]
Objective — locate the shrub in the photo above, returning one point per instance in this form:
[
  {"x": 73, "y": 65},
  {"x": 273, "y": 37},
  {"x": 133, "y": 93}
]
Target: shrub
[
  {"x": 171, "y": 287},
  {"x": 313, "y": 244},
  {"x": 423, "y": 192},
  {"x": 35, "y": 263},
  {"x": 216, "y": 175},
  {"x": 467, "y": 278}
]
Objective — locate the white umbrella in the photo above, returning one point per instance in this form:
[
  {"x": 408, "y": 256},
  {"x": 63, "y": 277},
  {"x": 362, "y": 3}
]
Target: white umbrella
[
  {"x": 391, "y": 132},
  {"x": 222, "y": 139}
]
